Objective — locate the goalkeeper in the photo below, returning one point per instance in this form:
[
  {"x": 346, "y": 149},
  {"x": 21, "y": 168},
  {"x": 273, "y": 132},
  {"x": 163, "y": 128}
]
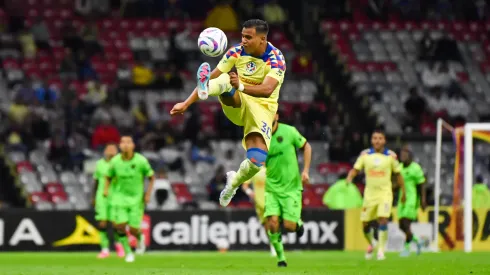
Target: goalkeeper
[
  {"x": 284, "y": 184},
  {"x": 414, "y": 179}
]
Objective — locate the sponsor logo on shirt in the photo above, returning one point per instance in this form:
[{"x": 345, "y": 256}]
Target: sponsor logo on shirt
[
  {"x": 244, "y": 80},
  {"x": 376, "y": 174}
]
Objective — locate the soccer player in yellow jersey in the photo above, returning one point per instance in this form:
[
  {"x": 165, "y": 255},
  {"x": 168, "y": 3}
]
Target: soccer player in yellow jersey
[
  {"x": 249, "y": 97},
  {"x": 378, "y": 164},
  {"x": 257, "y": 194}
]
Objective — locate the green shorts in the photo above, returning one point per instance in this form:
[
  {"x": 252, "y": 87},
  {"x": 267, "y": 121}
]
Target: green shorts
[
  {"x": 287, "y": 206},
  {"x": 102, "y": 209},
  {"x": 407, "y": 211},
  {"x": 131, "y": 215}
]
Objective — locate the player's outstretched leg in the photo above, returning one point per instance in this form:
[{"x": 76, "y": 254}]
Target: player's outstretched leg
[
  {"x": 215, "y": 87},
  {"x": 405, "y": 227},
  {"x": 369, "y": 236},
  {"x": 248, "y": 168},
  {"x": 382, "y": 237},
  {"x": 104, "y": 240},
  {"x": 141, "y": 248}
]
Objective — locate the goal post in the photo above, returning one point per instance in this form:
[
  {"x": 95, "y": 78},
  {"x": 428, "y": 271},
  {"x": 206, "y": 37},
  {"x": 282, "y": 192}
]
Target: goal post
[{"x": 462, "y": 196}]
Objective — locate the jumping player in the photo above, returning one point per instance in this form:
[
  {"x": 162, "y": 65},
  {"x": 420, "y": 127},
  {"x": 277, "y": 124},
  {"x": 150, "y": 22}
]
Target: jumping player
[
  {"x": 378, "y": 164},
  {"x": 414, "y": 178},
  {"x": 128, "y": 171},
  {"x": 249, "y": 97},
  {"x": 103, "y": 204},
  {"x": 284, "y": 184}
]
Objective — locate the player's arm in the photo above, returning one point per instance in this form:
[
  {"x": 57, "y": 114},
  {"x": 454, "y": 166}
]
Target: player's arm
[
  {"x": 300, "y": 142},
  {"x": 108, "y": 179},
  {"x": 263, "y": 90},
  {"x": 150, "y": 174},
  {"x": 421, "y": 190},
  {"x": 358, "y": 166},
  {"x": 96, "y": 182},
  {"x": 246, "y": 188},
  {"x": 395, "y": 168}
]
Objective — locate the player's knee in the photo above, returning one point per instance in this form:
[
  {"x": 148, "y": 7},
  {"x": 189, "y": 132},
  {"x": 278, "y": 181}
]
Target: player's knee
[
  {"x": 257, "y": 156},
  {"x": 102, "y": 225},
  {"x": 134, "y": 231},
  {"x": 273, "y": 223},
  {"x": 121, "y": 228}
]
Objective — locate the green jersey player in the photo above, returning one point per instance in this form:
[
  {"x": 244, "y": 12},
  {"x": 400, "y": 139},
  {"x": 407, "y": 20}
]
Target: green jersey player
[
  {"x": 128, "y": 171},
  {"x": 414, "y": 179},
  {"x": 284, "y": 184},
  {"x": 103, "y": 204}
]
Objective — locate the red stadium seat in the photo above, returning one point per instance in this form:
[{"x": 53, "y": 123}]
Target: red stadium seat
[
  {"x": 59, "y": 197},
  {"x": 39, "y": 197},
  {"x": 182, "y": 193},
  {"x": 24, "y": 166},
  {"x": 54, "y": 187}
]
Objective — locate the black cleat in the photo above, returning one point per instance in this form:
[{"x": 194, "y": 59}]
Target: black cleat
[
  {"x": 282, "y": 264},
  {"x": 300, "y": 230}
]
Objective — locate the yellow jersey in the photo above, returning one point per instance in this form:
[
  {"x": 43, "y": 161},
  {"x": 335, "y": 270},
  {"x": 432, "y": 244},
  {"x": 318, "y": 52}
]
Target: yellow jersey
[
  {"x": 253, "y": 70},
  {"x": 378, "y": 168}
]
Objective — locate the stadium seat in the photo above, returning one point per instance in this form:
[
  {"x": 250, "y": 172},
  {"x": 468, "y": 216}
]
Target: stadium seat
[{"x": 182, "y": 193}]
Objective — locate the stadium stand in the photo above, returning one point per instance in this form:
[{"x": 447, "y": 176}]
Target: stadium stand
[{"x": 61, "y": 103}]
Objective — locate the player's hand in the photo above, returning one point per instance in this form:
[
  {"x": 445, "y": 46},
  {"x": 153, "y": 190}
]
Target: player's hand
[
  {"x": 234, "y": 80},
  {"x": 178, "y": 108},
  {"x": 147, "y": 198},
  {"x": 305, "y": 178},
  {"x": 404, "y": 197}
]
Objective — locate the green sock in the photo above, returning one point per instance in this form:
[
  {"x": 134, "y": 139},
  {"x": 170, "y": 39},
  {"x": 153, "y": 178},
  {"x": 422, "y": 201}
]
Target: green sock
[
  {"x": 125, "y": 243},
  {"x": 104, "y": 240},
  {"x": 407, "y": 246},
  {"x": 382, "y": 237},
  {"x": 369, "y": 235},
  {"x": 276, "y": 241}
]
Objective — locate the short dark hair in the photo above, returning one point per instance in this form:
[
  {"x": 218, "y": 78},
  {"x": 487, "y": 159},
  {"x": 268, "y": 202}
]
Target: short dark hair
[
  {"x": 379, "y": 131},
  {"x": 260, "y": 26}
]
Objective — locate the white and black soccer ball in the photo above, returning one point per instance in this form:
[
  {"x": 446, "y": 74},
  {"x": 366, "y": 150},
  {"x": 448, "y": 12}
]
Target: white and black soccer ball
[{"x": 212, "y": 42}]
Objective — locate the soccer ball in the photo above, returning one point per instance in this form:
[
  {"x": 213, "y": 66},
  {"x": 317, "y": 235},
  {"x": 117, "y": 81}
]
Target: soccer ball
[{"x": 212, "y": 42}]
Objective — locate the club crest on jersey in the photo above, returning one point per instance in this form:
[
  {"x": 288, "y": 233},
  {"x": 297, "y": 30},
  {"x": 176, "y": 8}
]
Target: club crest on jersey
[
  {"x": 377, "y": 161},
  {"x": 251, "y": 67}
]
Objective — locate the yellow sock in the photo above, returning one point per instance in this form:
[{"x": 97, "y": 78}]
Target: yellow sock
[
  {"x": 382, "y": 237},
  {"x": 219, "y": 85}
]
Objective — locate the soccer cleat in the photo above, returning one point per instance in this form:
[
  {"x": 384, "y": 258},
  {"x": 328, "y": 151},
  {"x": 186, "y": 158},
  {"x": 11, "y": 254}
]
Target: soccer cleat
[
  {"x": 369, "y": 253},
  {"x": 103, "y": 254},
  {"x": 203, "y": 75},
  {"x": 141, "y": 248},
  {"x": 119, "y": 250},
  {"x": 282, "y": 264},
  {"x": 381, "y": 256},
  {"x": 228, "y": 192},
  {"x": 129, "y": 258},
  {"x": 300, "y": 231},
  {"x": 405, "y": 252}
]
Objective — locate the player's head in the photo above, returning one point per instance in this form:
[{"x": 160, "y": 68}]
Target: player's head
[
  {"x": 110, "y": 150},
  {"x": 378, "y": 139},
  {"x": 254, "y": 35},
  {"x": 126, "y": 145},
  {"x": 405, "y": 155}
]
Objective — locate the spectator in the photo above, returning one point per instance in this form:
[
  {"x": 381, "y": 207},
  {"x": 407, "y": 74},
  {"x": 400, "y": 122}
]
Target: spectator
[
  {"x": 438, "y": 103},
  {"x": 85, "y": 69},
  {"x": 415, "y": 106},
  {"x": 105, "y": 133},
  {"x": 159, "y": 137},
  {"x": 41, "y": 34},
  {"x": 59, "y": 151},
  {"x": 18, "y": 111},
  {"x": 124, "y": 74},
  {"x": 102, "y": 113},
  {"x": 274, "y": 14},
  {"x": 73, "y": 113},
  {"x": 70, "y": 37},
  {"x": 458, "y": 108},
  {"x": 223, "y": 16},
  {"x": 140, "y": 112},
  {"x": 68, "y": 67},
  {"x": 26, "y": 40},
  {"x": 427, "y": 47},
  {"x": 121, "y": 113},
  {"x": 90, "y": 39},
  {"x": 46, "y": 95},
  {"x": 201, "y": 151},
  {"x": 173, "y": 79},
  {"x": 173, "y": 11},
  {"x": 217, "y": 184},
  {"x": 342, "y": 195},
  {"x": 26, "y": 93},
  {"x": 481, "y": 194},
  {"x": 96, "y": 93},
  {"x": 302, "y": 64},
  {"x": 142, "y": 75},
  {"x": 68, "y": 93}
]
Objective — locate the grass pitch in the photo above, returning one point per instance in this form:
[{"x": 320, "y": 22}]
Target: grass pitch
[{"x": 242, "y": 263}]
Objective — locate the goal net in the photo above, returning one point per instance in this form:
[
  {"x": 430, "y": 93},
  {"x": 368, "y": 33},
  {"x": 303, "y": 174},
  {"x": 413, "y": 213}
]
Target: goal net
[{"x": 457, "y": 164}]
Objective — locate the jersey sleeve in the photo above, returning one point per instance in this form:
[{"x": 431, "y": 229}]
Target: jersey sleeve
[
  {"x": 298, "y": 139},
  {"x": 395, "y": 165},
  {"x": 146, "y": 169},
  {"x": 229, "y": 59},
  {"x": 359, "y": 165},
  {"x": 111, "y": 171},
  {"x": 278, "y": 66},
  {"x": 419, "y": 175}
]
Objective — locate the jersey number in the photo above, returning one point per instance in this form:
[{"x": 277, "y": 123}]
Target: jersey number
[{"x": 266, "y": 130}]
